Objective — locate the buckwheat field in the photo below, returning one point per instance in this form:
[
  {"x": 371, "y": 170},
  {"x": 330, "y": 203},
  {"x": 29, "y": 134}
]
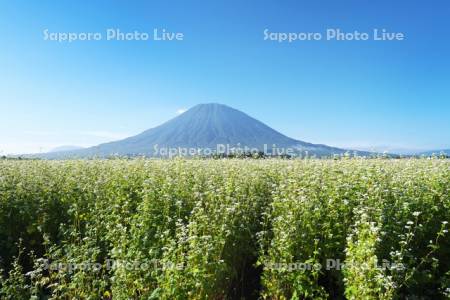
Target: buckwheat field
[{"x": 225, "y": 229}]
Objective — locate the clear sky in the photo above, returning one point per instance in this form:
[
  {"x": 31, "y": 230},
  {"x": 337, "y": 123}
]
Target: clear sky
[{"x": 343, "y": 93}]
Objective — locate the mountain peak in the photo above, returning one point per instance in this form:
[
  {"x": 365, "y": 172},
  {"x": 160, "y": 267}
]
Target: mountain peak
[
  {"x": 211, "y": 104},
  {"x": 208, "y": 107}
]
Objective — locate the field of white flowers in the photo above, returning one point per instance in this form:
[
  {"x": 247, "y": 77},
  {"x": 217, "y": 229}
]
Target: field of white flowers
[{"x": 225, "y": 229}]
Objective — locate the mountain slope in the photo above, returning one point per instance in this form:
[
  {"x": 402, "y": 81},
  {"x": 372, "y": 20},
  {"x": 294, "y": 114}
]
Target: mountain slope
[
  {"x": 203, "y": 126},
  {"x": 435, "y": 152}
]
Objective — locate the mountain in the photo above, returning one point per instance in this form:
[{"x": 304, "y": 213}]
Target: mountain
[
  {"x": 65, "y": 148},
  {"x": 203, "y": 126},
  {"x": 388, "y": 149},
  {"x": 435, "y": 152}
]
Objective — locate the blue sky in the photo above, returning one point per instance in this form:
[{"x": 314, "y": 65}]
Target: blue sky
[{"x": 359, "y": 94}]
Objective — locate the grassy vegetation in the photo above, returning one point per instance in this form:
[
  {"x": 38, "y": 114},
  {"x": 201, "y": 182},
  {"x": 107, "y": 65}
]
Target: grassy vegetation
[{"x": 225, "y": 229}]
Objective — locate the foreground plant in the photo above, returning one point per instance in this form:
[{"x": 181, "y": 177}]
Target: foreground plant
[{"x": 225, "y": 229}]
